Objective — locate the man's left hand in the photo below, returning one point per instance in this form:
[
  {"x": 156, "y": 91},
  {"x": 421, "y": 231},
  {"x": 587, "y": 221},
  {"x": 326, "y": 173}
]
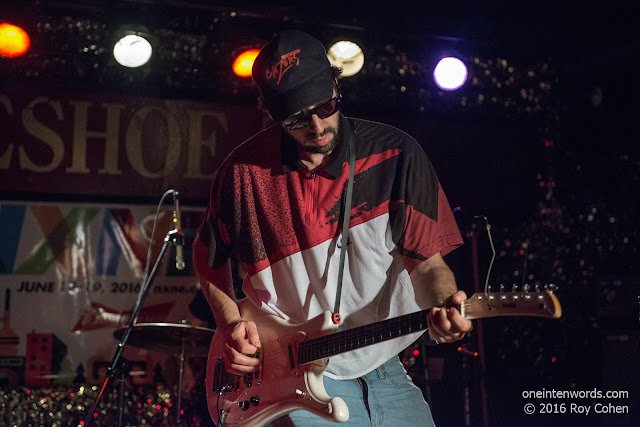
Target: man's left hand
[{"x": 447, "y": 324}]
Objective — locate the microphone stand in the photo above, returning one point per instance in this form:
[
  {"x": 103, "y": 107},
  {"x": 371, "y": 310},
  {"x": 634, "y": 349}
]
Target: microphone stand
[{"x": 172, "y": 237}]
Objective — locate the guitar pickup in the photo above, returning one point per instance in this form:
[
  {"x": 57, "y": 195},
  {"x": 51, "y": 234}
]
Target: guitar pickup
[
  {"x": 292, "y": 361},
  {"x": 223, "y": 381},
  {"x": 249, "y": 378}
]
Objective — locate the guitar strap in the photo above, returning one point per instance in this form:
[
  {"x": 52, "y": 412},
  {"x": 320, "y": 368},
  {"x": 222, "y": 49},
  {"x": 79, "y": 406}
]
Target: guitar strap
[{"x": 350, "y": 134}]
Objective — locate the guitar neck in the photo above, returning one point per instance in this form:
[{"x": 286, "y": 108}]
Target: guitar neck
[
  {"x": 480, "y": 305},
  {"x": 352, "y": 339}
]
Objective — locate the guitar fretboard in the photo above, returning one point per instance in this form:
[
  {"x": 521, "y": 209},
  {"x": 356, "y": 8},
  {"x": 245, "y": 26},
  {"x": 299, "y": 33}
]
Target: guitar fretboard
[
  {"x": 480, "y": 305},
  {"x": 351, "y": 339}
]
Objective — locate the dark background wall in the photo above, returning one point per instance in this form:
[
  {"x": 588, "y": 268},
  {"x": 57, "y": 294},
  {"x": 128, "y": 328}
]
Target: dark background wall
[{"x": 555, "y": 170}]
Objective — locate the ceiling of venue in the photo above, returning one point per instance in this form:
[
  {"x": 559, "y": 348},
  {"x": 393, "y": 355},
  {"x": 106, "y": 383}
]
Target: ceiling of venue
[{"x": 517, "y": 52}]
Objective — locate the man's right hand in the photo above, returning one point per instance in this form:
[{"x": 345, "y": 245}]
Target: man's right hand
[{"x": 241, "y": 339}]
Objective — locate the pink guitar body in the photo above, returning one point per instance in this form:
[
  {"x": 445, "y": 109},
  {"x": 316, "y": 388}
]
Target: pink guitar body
[{"x": 281, "y": 385}]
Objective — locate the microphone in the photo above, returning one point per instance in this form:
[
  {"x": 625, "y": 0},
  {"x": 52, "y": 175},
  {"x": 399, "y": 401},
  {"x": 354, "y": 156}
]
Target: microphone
[{"x": 178, "y": 233}]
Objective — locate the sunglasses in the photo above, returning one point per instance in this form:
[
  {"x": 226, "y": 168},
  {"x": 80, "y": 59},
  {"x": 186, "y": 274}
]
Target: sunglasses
[{"x": 323, "y": 111}]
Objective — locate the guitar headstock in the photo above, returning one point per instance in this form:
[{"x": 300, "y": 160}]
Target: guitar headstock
[{"x": 504, "y": 303}]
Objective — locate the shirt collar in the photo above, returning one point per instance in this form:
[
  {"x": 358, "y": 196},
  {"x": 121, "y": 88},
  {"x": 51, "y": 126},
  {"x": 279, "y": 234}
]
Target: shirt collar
[{"x": 291, "y": 159}]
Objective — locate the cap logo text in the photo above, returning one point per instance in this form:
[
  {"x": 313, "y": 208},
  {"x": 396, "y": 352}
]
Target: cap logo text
[{"x": 287, "y": 61}]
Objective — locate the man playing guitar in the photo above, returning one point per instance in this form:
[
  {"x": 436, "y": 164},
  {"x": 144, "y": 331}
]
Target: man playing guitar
[{"x": 278, "y": 201}]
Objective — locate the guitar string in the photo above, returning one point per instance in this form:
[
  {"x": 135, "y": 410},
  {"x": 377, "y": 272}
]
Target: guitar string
[
  {"x": 345, "y": 338},
  {"x": 468, "y": 305},
  {"x": 392, "y": 328},
  {"x": 274, "y": 353},
  {"x": 343, "y": 341}
]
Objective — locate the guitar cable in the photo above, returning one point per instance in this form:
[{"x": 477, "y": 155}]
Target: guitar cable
[
  {"x": 220, "y": 420},
  {"x": 493, "y": 251}
]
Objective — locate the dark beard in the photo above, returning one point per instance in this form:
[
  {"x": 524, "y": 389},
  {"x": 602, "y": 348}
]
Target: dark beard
[{"x": 314, "y": 149}]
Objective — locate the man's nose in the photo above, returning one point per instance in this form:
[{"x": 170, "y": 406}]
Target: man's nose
[{"x": 316, "y": 124}]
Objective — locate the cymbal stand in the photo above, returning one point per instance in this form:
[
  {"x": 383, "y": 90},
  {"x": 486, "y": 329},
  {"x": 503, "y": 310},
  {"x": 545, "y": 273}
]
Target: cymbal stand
[
  {"x": 123, "y": 368},
  {"x": 180, "y": 379},
  {"x": 171, "y": 238}
]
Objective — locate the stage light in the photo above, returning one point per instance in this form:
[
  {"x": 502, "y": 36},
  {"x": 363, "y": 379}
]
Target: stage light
[
  {"x": 450, "y": 73},
  {"x": 347, "y": 55},
  {"x": 132, "y": 51},
  {"x": 14, "y": 41},
  {"x": 244, "y": 62}
]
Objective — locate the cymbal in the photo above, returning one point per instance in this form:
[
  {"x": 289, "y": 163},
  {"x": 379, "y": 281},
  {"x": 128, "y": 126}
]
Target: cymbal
[{"x": 168, "y": 338}]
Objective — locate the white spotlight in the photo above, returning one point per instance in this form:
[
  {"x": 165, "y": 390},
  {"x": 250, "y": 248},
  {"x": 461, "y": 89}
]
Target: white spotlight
[
  {"x": 450, "y": 73},
  {"x": 347, "y": 55},
  {"x": 132, "y": 51}
]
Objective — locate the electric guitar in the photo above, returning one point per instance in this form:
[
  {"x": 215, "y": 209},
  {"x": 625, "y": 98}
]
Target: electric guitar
[{"x": 295, "y": 356}]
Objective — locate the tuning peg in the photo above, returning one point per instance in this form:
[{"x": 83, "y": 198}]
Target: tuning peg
[
  {"x": 501, "y": 288},
  {"x": 553, "y": 287},
  {"x": 514, "y": 291},
  {"x": 526, "y": 288},
  {"x": 537, "y": 288}
]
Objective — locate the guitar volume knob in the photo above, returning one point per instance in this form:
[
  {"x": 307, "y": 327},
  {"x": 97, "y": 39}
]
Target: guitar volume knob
[{"x": 255, "y": 400}]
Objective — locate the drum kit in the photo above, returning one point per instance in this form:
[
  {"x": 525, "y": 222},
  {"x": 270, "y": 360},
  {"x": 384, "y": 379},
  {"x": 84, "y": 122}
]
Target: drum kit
[
  {"x": 179, "y": 339},
  {"x": 172, "y": 338}
]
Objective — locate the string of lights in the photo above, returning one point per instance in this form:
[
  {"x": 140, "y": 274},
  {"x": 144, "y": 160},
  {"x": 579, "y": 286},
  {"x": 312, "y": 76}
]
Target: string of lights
[{"x": 194, "y": 58}]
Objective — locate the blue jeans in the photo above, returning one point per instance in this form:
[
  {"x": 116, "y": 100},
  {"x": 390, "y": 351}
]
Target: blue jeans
[{"x": 393, "y": 400}]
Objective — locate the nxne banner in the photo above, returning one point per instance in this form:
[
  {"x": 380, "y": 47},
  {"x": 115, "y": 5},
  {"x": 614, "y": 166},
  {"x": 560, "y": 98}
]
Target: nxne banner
[{"x": 70, "y": 275}]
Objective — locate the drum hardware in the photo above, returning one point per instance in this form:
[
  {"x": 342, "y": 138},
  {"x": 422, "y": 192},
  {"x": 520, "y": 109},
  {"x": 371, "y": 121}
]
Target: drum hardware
[{"x": 173, "y": 338}]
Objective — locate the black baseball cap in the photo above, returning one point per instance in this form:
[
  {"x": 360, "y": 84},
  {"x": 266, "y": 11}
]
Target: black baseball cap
[{"x": 292, "y": 72}]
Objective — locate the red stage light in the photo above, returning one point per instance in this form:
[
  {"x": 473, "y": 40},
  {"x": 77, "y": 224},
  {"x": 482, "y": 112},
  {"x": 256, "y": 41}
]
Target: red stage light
[
  {"x": 14, "y": 41},
  {"x": 243, "y": 63}
]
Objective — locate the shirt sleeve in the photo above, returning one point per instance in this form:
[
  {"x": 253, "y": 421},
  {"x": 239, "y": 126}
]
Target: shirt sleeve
[
  {"x": 215, "y": 230},
  {"x": 422, "y": 222}
]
